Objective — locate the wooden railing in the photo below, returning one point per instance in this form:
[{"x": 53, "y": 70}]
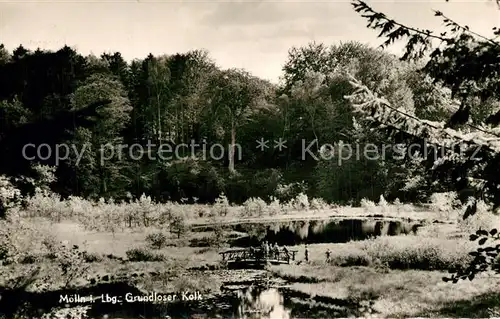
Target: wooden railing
[{"x": 258, "y": 254}]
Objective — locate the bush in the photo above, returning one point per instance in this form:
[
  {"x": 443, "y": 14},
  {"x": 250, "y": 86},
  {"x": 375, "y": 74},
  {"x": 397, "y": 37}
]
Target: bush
[
  {"x": 201, "y": 211},
  {"x": 91, "y": 257},
  {"x": 178, "y": 225},
  {"x": 318, "y": 203},
  {"x": 351, "y": 257},
  {"x": 368, "y": 205},
  {"x": 484, "y": 218},
  {"x": 141, "y": 254},
  {"x": 20, "y": 240},
  {"x": 221, "y": 206},
  {"x": 301, "y": 202},
  {"x": 288, "y": 192},
  {"x": 218, "y": 237},
  {"x": 274, "y": 207},
  {"x": 397, "y": 203},
  {"x": 156, "y": 240},
  {"x": 444, "y": 204},
  {"x": 254, "y": 207},
  {"x": 382, "y": 203},
  {"x": 77, "y": 312},
  {"x": 416, "y": 252}
]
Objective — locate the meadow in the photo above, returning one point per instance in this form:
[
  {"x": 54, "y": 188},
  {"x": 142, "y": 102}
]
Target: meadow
[{"x": 170, "y": 247}]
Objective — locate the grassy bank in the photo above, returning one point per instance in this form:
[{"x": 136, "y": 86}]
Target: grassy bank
[{"x": 397, "y": 293}]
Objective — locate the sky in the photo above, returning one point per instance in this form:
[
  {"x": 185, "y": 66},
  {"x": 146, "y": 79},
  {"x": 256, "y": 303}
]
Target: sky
[{"x": 255, "y": 35}]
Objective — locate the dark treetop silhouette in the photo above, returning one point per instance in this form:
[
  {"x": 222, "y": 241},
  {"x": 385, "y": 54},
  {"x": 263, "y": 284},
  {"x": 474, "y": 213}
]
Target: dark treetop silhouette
[{"x": 49, "y": 130}]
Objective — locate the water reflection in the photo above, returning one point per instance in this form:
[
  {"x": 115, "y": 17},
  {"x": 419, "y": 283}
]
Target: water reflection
[
  {"x": 320, "y": 231},
  {"x": 261, "y": 303}
]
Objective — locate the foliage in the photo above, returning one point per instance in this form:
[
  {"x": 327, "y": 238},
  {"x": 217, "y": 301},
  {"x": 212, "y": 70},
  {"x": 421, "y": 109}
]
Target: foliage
[
  {"x": 422, "y": 253},
  {"x": 368, "y": 205},
  {"x": 254, "y": 207},
  {"x": 68, "y": 313},
  {"x": 484, "y": 258},
  {"x": 156, "y": 240},
  {"x": 178, "y": 226},
  {"x": 287, "y": 192},
  {"x": 318, "y": 203},
  {"x": 218, "y": 237},
  {"x": 221, "y": 206},
  {"x": 142, "y": 254},
  {"x": 445, "y": 204},
  {"x": 467, "y": 64},
  {"x": 485, "y": 218},
  {"x": 175, "y": 101},
  {"x": 300, "y": 202}
]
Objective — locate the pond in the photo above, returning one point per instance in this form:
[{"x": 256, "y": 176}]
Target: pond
[{"x": 319, "y": 231}]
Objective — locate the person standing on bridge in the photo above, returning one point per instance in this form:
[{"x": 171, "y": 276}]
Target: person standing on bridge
[
  {"x": 327, "y": 255},
  {"x": 266, "y": 249},
  {"x": 306, "y": 254},
  {"x": 276, "y": 250},
  {"x": 287, "y": 254}
]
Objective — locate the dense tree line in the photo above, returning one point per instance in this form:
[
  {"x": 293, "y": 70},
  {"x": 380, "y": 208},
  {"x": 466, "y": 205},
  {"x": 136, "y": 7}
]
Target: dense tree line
[{"x": 186, "y": 98}]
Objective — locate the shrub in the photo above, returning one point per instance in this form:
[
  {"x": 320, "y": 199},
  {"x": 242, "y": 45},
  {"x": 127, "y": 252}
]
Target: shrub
[
  {"x": 178, "y": 225},
  {"x": 287, "y": 192},
  {"x": 318, "y": 203},
  {"x": 254, "y": 207},
  {"x": 274, "y": 207},
  {"x": 368, "y": 205},
  {"x": 201, "y": 211},
  {"x": 221, "y": 206},
  {"x": 301, "y": 202},
  {"x": 10, "y": 196},
  {"x": 20, "y": 240},
  {"x": 91, "y": 257},
  {"x": 444, "y": 204},
  {"x": 382, "y": 203},
  {"x": 156, "y": 240},
  {"x": 218, "y": 236},
  {"x": 484, "y": 218},
  {"x": 398, "y": 205},
  {"x": 77, "y": 312},
  {"x": 141, "y": 254},
  {"x": 351, "y": 257},
  {"x": 416, "y": 252}
]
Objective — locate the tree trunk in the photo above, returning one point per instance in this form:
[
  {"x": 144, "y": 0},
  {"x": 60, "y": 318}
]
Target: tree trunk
[
  {"x": 159, "y": 116},
  {"x": 231, "y": 148}
]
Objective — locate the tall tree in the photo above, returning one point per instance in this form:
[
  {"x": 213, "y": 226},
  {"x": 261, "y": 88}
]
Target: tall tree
[
  {"x": 235, "y": 94},
  {"x": 105, "y": 137}
]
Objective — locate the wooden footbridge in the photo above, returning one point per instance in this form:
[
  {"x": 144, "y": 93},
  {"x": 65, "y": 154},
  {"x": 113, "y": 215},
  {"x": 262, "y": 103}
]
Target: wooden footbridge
[{"x": 257, "y": 256}]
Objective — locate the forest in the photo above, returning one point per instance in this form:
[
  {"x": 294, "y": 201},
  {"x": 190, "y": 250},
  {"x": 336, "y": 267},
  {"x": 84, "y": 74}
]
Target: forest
[{"x": 185, "y": 98}]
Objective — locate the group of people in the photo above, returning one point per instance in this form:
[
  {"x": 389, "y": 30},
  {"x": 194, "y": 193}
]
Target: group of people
[{"x": 273, "y": 250}]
